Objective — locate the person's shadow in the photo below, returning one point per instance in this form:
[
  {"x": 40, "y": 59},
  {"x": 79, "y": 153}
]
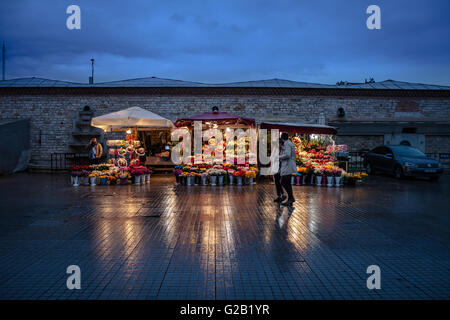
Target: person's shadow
[{"x": 283, "y": 215}]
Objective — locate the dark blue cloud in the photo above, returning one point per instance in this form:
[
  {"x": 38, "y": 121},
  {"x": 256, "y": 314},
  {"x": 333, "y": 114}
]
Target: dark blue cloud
[{"x": 212, "y": 41}]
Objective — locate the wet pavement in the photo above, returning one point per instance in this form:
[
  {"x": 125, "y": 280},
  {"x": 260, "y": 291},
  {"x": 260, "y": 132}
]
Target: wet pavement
[{"x": 162, "y": 241}]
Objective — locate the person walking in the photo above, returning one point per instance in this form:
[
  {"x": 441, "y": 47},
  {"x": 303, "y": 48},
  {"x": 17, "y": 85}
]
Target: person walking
[
  {"x": 288, "y": 166},
  {"x": 95, "y": 151},
  {"x": 277, "y": 178}
]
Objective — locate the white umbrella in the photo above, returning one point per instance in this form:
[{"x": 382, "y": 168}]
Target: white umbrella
[{"x": 134, "y": 117}]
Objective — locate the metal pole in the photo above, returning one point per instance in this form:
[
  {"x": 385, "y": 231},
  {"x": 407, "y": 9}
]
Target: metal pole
[
  {"x": 3, "y": 60},
  {"x": 92, "y": 63}
]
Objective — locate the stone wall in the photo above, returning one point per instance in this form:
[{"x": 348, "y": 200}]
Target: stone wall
[
  {"x": 360, "y": 143},
  {"x": 437, "y": 144},
  {"x": 52, "y": 116}
]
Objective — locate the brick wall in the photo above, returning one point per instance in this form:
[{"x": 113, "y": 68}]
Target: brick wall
[{"x": 52, "y": 117}]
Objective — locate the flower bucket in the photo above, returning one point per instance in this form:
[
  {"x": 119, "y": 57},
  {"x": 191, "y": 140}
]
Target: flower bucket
[
  {"x": 177, "y": 178},
  {"x": 298, "y": 180},
  {"x": 303, "y": 180},
  {"x": 72, "y": 180},
  {"x": 324, "y": 180},
  {"x": 338, "y": 181},
  {"x": 147, "y": 178},
  {"x": 123, "y": 181},
  {"x": 93, "y": 181},
  {"x": 76, "y": 181},
  {"x": 230, "y": 179},
  {"x": 330, "y": 181},
  {"x": 103, "y": 181},
  {"x": 292, "y": 180},
  {"x": 250, "y": 180},
  {"x": 313, "y": 179},
  {"x": 319, "y": 180},
  {"x": 239, "y": 181},
  {"x": 189, "y": 181},
  {"x": 204, "y": 181},
  {"x": 213, "y": 180},
  {"x": 220, "y": 180},
  {"x": 137, "y": 180},
  {"x": 86, "y": 181}
]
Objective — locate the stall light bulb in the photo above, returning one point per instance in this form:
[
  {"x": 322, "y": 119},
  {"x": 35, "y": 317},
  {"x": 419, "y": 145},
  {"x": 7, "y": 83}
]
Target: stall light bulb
[{"x": 129, "y": 131}]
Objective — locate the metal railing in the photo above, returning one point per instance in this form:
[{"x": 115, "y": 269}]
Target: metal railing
[
  {"x": 354, "y": 162},
  {"x": 62, "y": 161}
]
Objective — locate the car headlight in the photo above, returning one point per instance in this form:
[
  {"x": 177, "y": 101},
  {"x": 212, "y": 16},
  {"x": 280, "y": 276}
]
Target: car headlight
[{"x": 410, "y": 164}]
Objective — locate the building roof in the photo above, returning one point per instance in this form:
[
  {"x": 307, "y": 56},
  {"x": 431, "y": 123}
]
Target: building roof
[{"x": 154, "y": 82}]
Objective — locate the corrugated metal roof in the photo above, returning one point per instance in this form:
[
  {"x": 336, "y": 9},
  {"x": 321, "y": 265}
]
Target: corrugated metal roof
[
  {"x": 39, "y": 82},
  {"x": 154, "y": 82},
  {"x": 150, "y": 82},
  {"x": 396, "y": 85}
]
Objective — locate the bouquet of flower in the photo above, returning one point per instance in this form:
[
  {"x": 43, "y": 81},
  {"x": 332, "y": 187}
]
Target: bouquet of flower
[
  {"x": 337, "y": 171},
  {"x": 318, "y": 171},
  {"x": 122, "y": 152},
  {"x": 94, "y": 174},
  {"x": 76, "y": 173},
  {"x": 121, "y": 162},
  {"x": 301, "y": 170},
  {"x": 177, "y": 172},
  {"x": 251, "y": 174},
  {"x": 240, "y": 173},
  {"x": 140, "y": 152},
  {"x": 123, "y": 175}
]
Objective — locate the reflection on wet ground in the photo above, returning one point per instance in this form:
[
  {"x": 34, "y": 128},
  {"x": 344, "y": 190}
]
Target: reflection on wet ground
[{"x": 162, "y": 241}]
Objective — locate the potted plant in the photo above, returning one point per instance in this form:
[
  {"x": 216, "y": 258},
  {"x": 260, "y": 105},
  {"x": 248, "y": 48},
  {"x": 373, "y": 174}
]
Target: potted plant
[
  {"x": 213, "y": 176},
  {"x": 250, "y": 175},
  {"x": 136, "y": 173},
  {"x": 239, "y": 174},
  {"x": 230, "y": 176},
  {"x": 330, "y": 176},
  {"x": 338, "y": 176},
  {"x": 76, "y": 178},
  {"x": 220, "y": 174},
  {"x": 93, "y": 176},
  {"x": 203, "y": 177},
  {"x": 177, "y": 173},
  {"x": 123, "y": 176},
  {"x": 189, "y": 177},
  {"x": 318, "y": 174}
]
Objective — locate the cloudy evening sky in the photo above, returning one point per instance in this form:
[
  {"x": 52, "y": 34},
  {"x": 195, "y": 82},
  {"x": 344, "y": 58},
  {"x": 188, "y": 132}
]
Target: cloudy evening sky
[{"x": 224, "y": 41}]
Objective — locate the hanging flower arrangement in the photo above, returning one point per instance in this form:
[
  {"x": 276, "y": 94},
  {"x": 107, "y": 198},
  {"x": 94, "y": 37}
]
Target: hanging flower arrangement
[{"x": 140, "y": 152}]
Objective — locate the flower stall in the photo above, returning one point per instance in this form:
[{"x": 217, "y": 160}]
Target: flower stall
[
  {"x": 208, "y": 172},
  {"x": 109, "y": 174},
  {"x": 145, "y": 139},
  {"x": 316, "y": 155},
  {"x": 215, "y": 175}
]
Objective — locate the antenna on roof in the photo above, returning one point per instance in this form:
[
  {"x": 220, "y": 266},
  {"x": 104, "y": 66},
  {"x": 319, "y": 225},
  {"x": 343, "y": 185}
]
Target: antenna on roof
[
  {"x": 91, "y": 78},
  {"x": 3, "y": 60}
]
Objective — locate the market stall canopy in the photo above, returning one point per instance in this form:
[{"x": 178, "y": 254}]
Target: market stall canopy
[
  {"x": 220, "y": 118},
  {"x": 134, "y": 117},
  {"x": 302, "y": 128}
]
